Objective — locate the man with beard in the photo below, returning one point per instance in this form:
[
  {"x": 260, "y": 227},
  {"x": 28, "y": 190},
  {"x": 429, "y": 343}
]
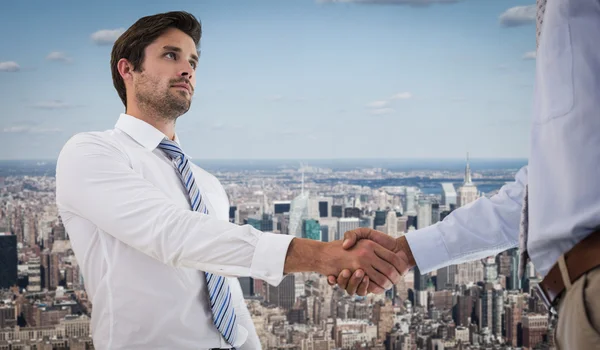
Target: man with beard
[{"x": 150, "y": 229}]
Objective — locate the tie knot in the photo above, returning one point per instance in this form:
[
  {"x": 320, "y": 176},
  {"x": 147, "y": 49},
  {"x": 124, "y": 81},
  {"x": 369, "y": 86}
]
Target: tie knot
[{"x": 171, "y": 148}]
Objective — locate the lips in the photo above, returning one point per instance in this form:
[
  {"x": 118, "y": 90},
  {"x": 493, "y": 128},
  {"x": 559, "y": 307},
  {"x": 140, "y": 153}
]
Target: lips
[{"x": 185, "y": 86}]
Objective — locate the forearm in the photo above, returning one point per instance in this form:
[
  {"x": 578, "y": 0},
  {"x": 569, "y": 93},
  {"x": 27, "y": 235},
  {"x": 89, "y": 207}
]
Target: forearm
[
  {"x": 305, "y": 255},
  {"x": 479, "y": 229}
]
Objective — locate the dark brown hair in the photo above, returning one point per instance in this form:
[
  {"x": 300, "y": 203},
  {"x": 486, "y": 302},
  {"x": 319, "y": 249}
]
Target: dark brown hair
[{"x": 132, "y": 43}]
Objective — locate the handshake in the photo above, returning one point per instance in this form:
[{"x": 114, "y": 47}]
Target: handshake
[{"x": 367, "y": 261}]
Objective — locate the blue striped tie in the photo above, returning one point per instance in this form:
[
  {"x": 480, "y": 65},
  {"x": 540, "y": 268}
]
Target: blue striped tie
[{"x": 224, "y": 316}]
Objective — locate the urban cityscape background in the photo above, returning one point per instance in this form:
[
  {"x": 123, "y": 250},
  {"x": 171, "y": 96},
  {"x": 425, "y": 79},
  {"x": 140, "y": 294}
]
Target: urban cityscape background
[
  {"x": 476, "y": 305},
  {"x": 317, "y": 116}
]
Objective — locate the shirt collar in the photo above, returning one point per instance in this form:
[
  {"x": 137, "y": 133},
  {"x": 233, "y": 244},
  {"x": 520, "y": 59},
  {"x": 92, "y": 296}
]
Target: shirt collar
[{"x": 142, "y": 132}]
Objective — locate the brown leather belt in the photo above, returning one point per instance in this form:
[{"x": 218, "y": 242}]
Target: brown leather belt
[{"x": 583, "y": 257}]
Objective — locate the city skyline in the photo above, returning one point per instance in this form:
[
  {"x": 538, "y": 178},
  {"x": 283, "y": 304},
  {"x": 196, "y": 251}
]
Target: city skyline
[{"x": 307, "y": 79}]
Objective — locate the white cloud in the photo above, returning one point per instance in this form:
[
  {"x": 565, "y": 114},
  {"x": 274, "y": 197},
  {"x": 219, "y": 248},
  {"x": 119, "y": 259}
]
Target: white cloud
[
  {"x": 29, "y": 129},
  {"x": 402, "y": 96},
  {"x": 56, "y": 104},
  {"x": 381, "y": 107},
  {"x": 106, "y": 36},
  {"x": 59, "y": 56},
  {"x": 378, "y": 104},
  {"x": 531, "y": 55},
  {"x": 9, "y": 66},
  {"x": 518, "y": 16},
  {"x": 416, "y": 3},
  {"x": 382, "y": 111}
]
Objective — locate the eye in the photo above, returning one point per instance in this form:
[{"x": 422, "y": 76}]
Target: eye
[
  {"x": 194, "y": 64},
  {"x": 171, "y": 55}
]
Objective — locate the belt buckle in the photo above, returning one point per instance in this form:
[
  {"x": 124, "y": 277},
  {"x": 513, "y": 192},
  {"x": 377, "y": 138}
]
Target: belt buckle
[{"x": 542, "y": 295}]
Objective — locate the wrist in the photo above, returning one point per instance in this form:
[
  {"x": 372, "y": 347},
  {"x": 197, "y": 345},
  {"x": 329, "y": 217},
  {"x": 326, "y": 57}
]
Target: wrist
[
  {"x": 305, "y": 255},
  {"x": 402, "y": 245}
]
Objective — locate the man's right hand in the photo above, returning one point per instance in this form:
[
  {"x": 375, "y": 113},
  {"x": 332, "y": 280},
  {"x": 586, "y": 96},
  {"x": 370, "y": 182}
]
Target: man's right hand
[
  {"x": 381, "y": 265},
  {"x": 356, "y": 283}
]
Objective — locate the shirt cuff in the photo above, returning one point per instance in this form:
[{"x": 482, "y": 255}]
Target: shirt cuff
[
  {"x": 428, "y": 248},
  {"x": 269, "y": 257}
]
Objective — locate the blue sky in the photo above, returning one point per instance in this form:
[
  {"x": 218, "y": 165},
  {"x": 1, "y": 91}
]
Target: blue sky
[{"x": 287, "y": 78}]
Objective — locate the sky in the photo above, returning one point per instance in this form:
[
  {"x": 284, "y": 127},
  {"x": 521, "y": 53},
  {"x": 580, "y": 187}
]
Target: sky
[{"x": 287, "y": 79}]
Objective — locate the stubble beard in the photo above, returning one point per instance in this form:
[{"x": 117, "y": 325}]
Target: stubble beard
[{"x": 161, "y": 103}]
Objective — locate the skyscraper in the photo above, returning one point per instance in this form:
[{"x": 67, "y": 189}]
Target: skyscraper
[
  {"x": 311, "y": 229},
  {"x": 8, "y": 260},
  {"x": 467, "y": 193},
  {"x": 448, "y": 194},
  {"x": 424, "y": 214},
  {"x": 303, "y": 207},
  {"x": 391, "y": 223},
  {"x": 346, "y": 224}
]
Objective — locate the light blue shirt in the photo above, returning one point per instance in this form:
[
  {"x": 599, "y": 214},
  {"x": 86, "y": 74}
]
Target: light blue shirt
[{"x": 564, "y": 162}]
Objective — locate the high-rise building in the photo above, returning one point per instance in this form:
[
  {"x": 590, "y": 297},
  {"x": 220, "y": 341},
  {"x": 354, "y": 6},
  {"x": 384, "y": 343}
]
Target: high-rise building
[
  {"x": 467, "y": 193},
  {"x": 232, "y": 214},
  {"x": 280, "y": 207},
  {"x": 497, "y": 310},
  {"x": 247, "y": 284},
  {"x": 352, "y": 213},
  {"x": 284, "y": 295},
  {"x": 490, "y": 270},
  {"x": 535, "y": 328},
  {"x": 402, "y": 224},
  {"x": 336, "y": 211},
  {"x": 512, "y": 319},
  {"x": 446, "y": 277},
  {"x": 346, "y": 224},
  {"x": 303, "y": 207},
  {"x": 421, "y": 281},
  {"x": 34, "y": 272},
  {"x": 448, "y": 194},
  {"x": 391, "y": 224},
  {"x": 262, "y": 222},
  {"x": 380, "y": 216},
  {"x": 325, "y": 207},
  {"x": 410, "y": 195},
  {"x": 435, "y": 213},
  {"x": 8, "y": 261},
  {"x": 424, "y": 214},
  {"x": 311, "y": 229},
  {"x": 325, "y": 234}
]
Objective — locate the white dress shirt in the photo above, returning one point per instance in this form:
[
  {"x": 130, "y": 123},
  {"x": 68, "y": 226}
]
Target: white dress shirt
[
  {"x": 564, "y": 163},
  {"x": 141, "y": 248}
]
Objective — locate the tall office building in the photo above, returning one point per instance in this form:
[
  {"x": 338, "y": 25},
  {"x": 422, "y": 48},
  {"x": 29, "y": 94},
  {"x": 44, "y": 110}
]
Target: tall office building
[
  {"x": 336, "y": 211},
  {"x": 391, "y": 224},
  {"x": 352, "y": 212},
  {"x": 247, "y": 284},
  {"x": 8, "y": 260},
  {"x": 280, "y": 207},
  {"x": 410, "y": 195},
  {"x": 467, "y": 193},
  {"x": 325, "y": 207},
  {"x": 435, "y": 213},
  {"x": 346, "y": 224},
  {"x": 512, "y": 319},
  {"x": 311, "y": 229},
  {"x": 284, "y": 295},
  {"x": 262, "y": 222},
  {"x": 448, "y": 194},
  {"x": 34, "y": 273},
  {"x": 446, "y": 277},
  {"x": 303, "y": 207},
  {"x": 497, "y": 310},
  {"x": 424, "y": 214},
  {"x": 535, "y": 327}
]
